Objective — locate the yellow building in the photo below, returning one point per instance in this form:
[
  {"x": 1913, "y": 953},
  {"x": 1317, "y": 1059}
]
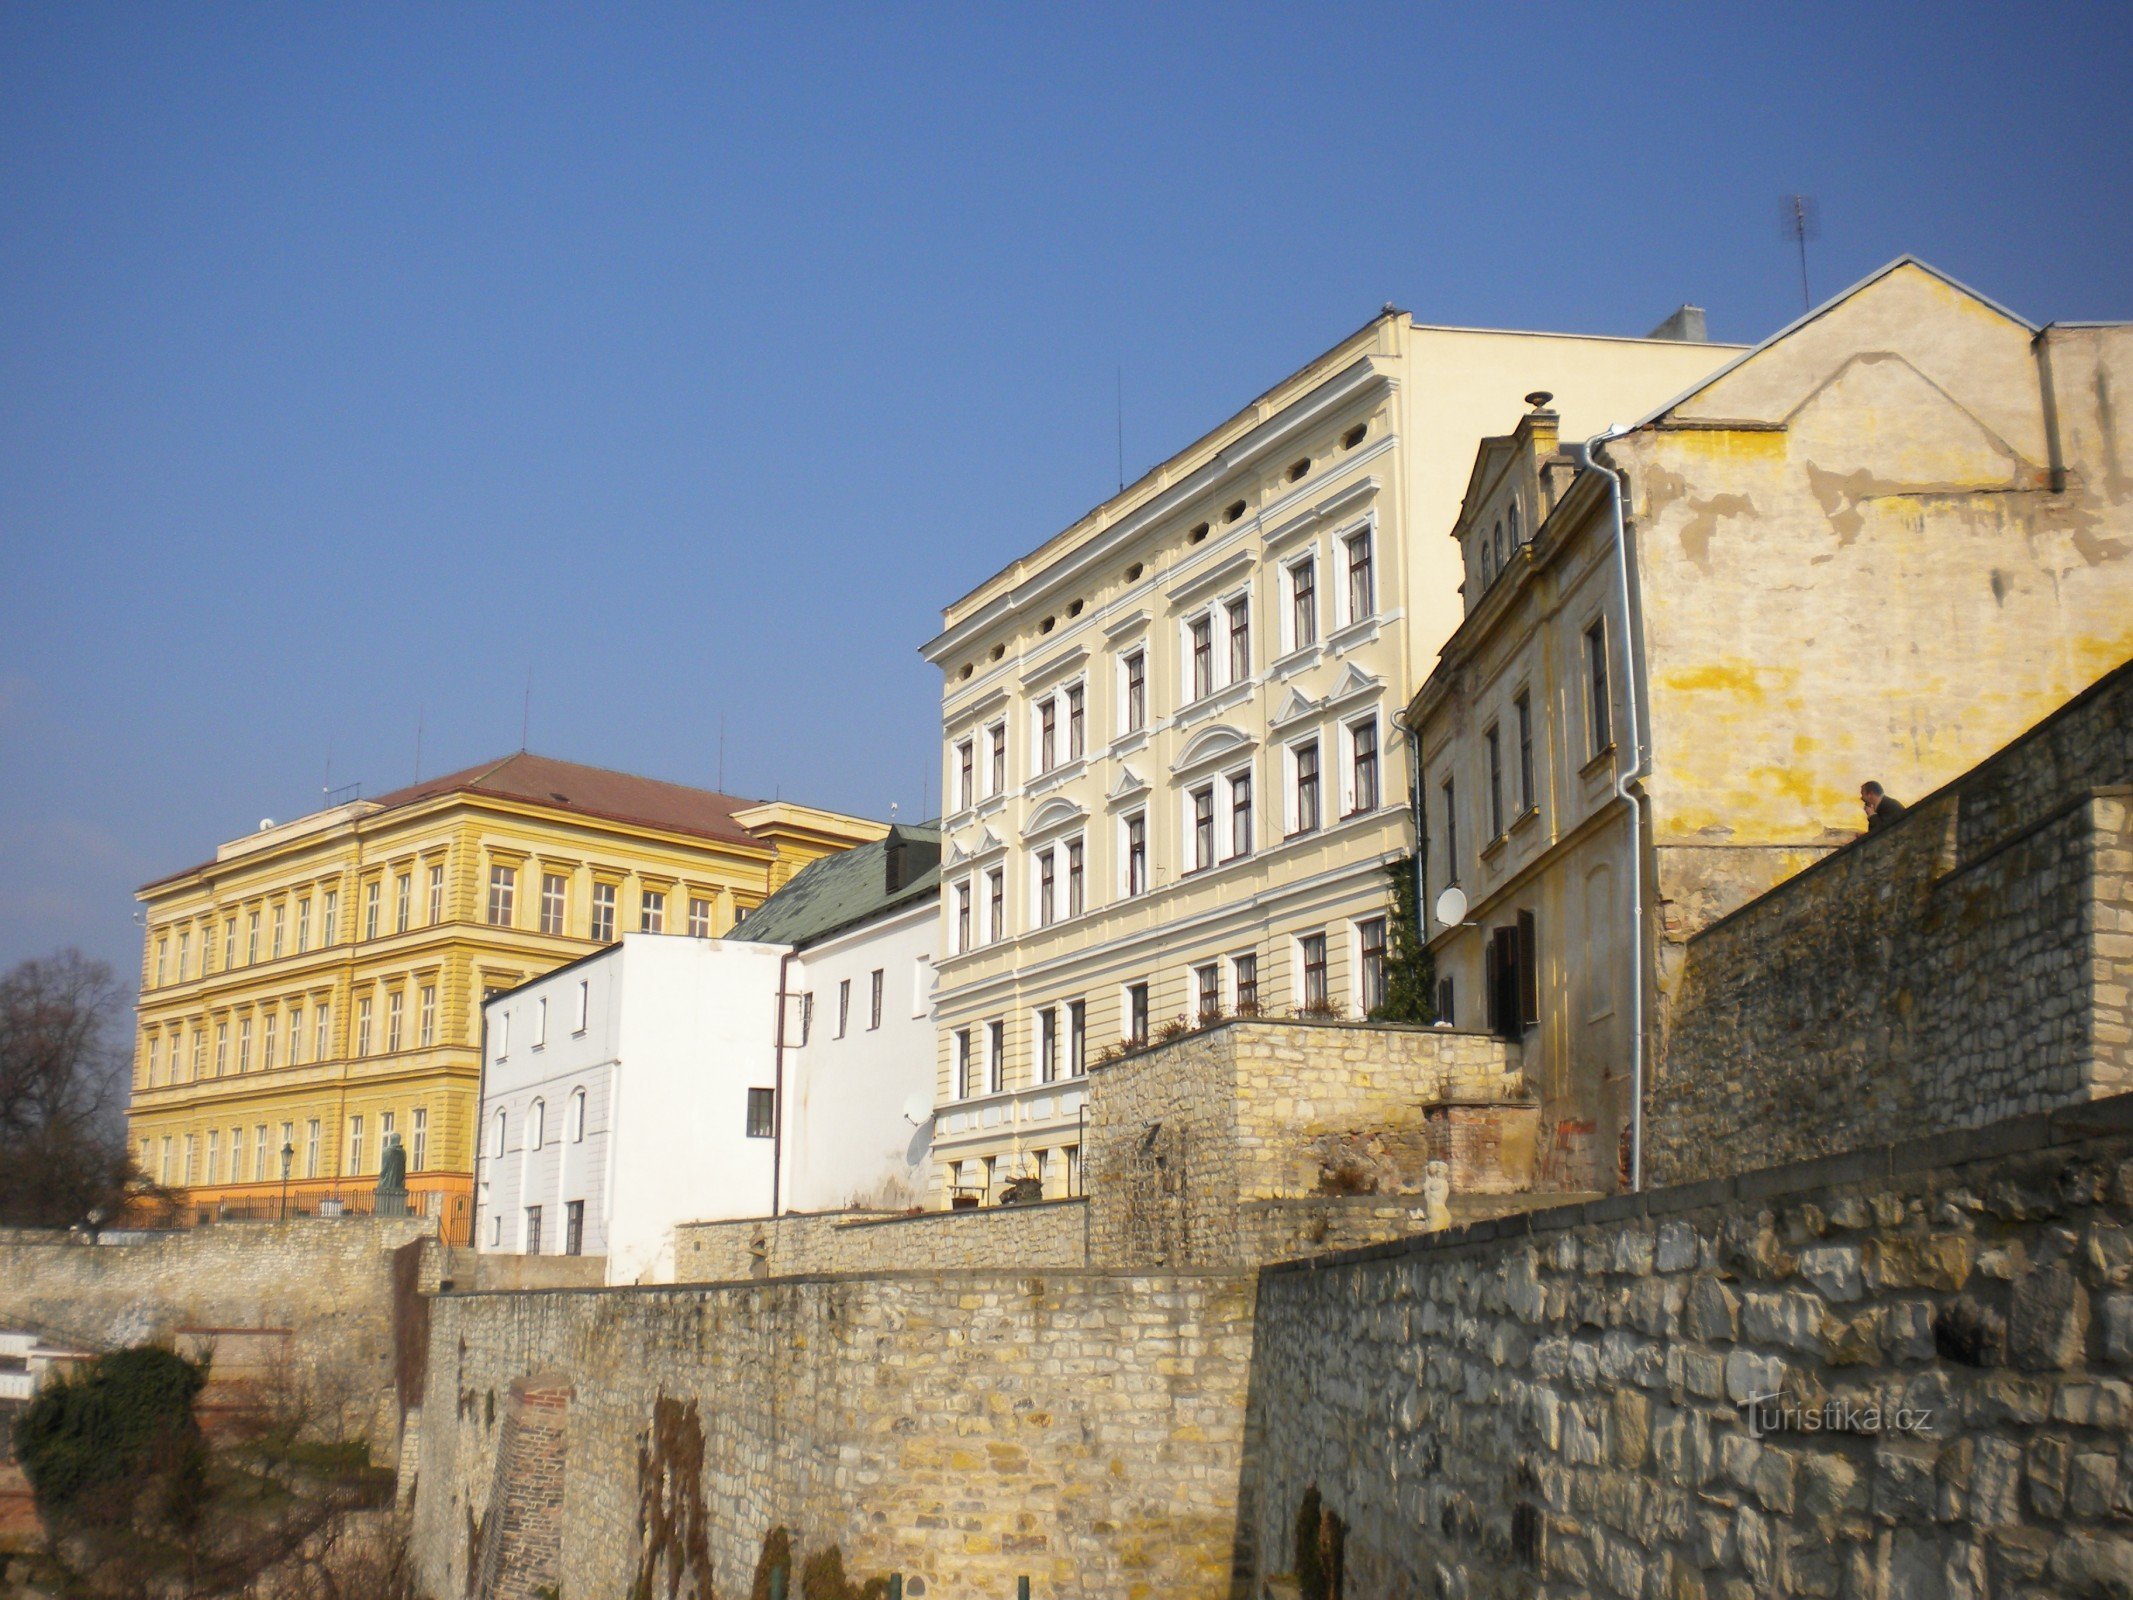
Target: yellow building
[
  {"x": 1172, "y": 778},
  {"x": 317, "y": 986},
  {"x": 1876, "y": 547}
]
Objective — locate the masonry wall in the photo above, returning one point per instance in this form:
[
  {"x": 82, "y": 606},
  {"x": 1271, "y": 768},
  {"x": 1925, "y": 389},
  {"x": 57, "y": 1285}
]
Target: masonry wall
[
  {"x": 1183, "y": 1134},
  {"x": 1044, "y": 1235},
  {"x": 1551, "y": 1404},
  {"x": 347, "y": 1290},
  {"x": 1970, "y": 963},
  {"x": 961, "y": 1428}
]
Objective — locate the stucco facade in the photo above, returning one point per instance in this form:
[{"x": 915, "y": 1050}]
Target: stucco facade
[
  {"x": 1172, "y": 779},
  {"x": 1879, "y": 546}
]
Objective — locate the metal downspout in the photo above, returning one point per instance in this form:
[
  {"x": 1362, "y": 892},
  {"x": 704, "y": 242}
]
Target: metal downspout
[{"x": 1633, "y": 661}]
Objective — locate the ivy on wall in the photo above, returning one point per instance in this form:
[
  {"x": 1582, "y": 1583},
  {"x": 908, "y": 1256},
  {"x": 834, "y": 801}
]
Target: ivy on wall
[{"x": 1410, "y": 970}]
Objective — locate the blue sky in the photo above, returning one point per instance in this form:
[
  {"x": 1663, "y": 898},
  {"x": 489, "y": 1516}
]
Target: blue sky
[{"x": 357, "y": 361}]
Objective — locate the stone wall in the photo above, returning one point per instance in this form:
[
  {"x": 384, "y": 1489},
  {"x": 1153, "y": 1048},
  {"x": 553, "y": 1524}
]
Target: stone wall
[
  {"x": 1184, "y": 1134},
  {"x": 962, "y": 1429},
  {"x": 1552, "y": 1404},
  {"x": 1969, "y": 963},
  {"x": 347, "y": 1290},
  {"x": 1037, "y": 1236}
]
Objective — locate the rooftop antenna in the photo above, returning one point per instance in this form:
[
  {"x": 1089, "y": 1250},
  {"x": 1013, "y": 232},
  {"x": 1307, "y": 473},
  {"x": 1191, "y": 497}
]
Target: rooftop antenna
[
  {"x": 1801, "y": 221},
  {"x": 525, "y": 712},
  {"x": 1121, "y": 374}
]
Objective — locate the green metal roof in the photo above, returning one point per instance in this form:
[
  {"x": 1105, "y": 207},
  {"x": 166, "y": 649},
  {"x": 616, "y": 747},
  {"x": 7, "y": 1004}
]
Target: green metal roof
[{"x": 846, "y": 889}]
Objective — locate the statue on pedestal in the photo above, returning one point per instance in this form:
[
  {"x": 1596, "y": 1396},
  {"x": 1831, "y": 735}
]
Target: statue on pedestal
[
  {"x": 392, "y": 1180},
  {"x": 1436, "y": 1197}
]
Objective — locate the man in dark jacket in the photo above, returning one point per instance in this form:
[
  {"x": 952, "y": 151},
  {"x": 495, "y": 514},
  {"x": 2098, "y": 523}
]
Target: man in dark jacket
[{"x": 1881, "y": 809}]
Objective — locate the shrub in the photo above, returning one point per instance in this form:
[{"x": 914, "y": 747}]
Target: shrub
[{"x": 92, "y": 1441}]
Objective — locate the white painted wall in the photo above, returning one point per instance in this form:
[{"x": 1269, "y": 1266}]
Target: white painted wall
[{"x": 849, "y": 1142}]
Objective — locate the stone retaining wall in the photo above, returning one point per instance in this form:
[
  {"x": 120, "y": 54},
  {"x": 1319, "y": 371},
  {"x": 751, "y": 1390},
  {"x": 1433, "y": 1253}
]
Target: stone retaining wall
[
  {"x": 962, "y": 1429},
  {"x": 1039, "y": 1236},
  {"x": 1551, "y": 1404},
  {"x": 343, "y": 1288}
]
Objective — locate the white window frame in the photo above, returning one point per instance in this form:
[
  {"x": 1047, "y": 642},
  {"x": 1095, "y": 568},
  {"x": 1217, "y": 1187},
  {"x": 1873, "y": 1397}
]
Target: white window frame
[
  {"x": 1344, "y": 548},
  {"x": 1292, "y": 639},
  {"x": 1132, "y": 710},
  {"x": 584, "y": 1005},
  {"x": 1292, "y": 787},
  {"x": 1128, "y": 887},
  {"x": 1351, "y": 789},
  {"x": 996, "y": 759}
]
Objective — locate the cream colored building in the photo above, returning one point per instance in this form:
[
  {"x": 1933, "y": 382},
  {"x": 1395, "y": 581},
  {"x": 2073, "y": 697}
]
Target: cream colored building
[
  {"x": 1878, "y": 546},
  {"x": 1171, "y": 779},
  {"x": 317, "y": 986}
]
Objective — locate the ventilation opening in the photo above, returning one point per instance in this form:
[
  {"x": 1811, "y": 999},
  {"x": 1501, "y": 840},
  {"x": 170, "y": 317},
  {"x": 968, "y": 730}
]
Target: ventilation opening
[
  {"x": 1197, "y": 534},
  {"x": 1074, "y": 610},
  {"x": 998, "y": 651},
  {"x": 965, "y": 673},
  {"x": 1133, "y": 573},
  {"x": 1236, "y": 510},
  {"x": 1354, "y": 436},
  {"x": 1048, "y": 624},
  {"x": 1298, "y": 468}
]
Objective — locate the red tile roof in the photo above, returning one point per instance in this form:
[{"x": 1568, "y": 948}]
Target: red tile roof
[{"x": 593, "y": 791}]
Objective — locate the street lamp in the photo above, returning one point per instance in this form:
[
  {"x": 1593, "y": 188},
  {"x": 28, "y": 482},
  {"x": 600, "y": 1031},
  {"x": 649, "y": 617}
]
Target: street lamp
[{"x": 288, "y": 1154}]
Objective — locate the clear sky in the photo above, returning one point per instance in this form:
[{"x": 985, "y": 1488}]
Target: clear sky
[{"x": 357, "y": 361}]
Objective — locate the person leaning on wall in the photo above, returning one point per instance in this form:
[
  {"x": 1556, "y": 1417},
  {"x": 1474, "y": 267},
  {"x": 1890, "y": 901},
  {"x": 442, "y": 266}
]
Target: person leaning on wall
[{"x": 1881, "y": 808}]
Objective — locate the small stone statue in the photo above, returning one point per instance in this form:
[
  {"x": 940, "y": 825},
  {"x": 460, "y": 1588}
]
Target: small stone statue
[
  {"x": 392, "y": 1179},
  {"x": 1436, "y": 1197}
]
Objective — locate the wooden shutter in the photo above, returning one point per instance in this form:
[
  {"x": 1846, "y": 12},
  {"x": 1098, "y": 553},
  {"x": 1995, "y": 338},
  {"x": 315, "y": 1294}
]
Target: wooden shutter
[{"x": 1528, "y": 970}]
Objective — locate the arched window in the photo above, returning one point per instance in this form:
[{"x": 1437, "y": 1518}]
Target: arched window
[
  {"x": 536, "y": 1119},
  {"x": 574, "y": 1122},
  {"x": 1498, "y": 536},
  {"x": 496, "y": 1133},
  {"x": 1514, "y": 524}
]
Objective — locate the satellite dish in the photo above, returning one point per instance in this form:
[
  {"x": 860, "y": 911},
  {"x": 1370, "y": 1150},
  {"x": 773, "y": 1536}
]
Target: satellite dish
[
  {"x": 1451, "y": 906},
  {"x": 918, "y": 1110}
]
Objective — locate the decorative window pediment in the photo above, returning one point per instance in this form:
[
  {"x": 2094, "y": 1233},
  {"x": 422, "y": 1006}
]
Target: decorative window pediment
[
  {"x": 1354, "y": 684},
  {"x": 1128, "y": 784},
  {"x": 1214, "y": 744},
  {"x": 988, "y": 843},
  {"x": 1057, "y": 812},
  {"x": 1295, "y": 706}
]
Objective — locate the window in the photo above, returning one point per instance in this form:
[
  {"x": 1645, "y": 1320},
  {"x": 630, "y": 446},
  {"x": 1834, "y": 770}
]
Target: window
[
  {"x": 1203, "y": 827},
  {"x": 1362, "y": 586},
  {"x": 1136, "y": 666},
  {"x": 303, "y": 927},
  {"x": 362, "y": 1026},
  {"x": 574, "y": 1228},
  {"x": 555, "y": 889},
  {"x": 1207, "y": 989},
  {"x": 155, "y": 1044},
  {"x": 323, "y": 1021},
  {"x": 214, "y": 1152},
  {"x": 496, "y": 1230},
  {"x": 1048, "y": 1044},
  {"x": 1240, "y": 813},
  {"x": 503, "y": 889},
  {"x": 1202, "y": 630},
  {"x": 355, "y": 1144},
  {"x": 1492, "y": 743},
  {"x": 965, "y": 1085},
  {"x": 1451, "y": 834},
  {"x": 1240, "y": 640},
  {"x": 403, "y": 902},
  {"x": 996, "y": 1057},
  {"x": 266, "y": 1041},
  {"x": 329, "y": 917},
  {"x": 1303, "y": 760},
  {"x": 1303, "y": 603},
  {"x": 222, "y": 1048},
  {"x": 1137, "y": 853},
  {"x": 584, "y": 1005},
  {"x": 844, "y": 1005},
  {"x": 1244, "y": 978},
  {"x": 251, "y": 938},
  {"x": 244, "y": 1045},
  {"x": 418, "y": 1148},
  {"x": 497, "y": 1128},
  {"x": 1599, "y": 706},
  {"x": 395, "y": 1010},
  {"x": 807, "y": 1018},
  {"x": 185, "y": 945},
  {"x": 1370, "y": 942},
  {"x": 371, "y": 891},
  {"x": 427, "y": 1026},
  {"x": 603, "y": 913},
  {"x": 259, "y": 1152},
  {"x": 163, "y": 1169},
  {"x": 962, "y": 917},
  {"x": 436, "y": 893},
  {"x": 996, "y": 760},
  {"x": 533, "y": 1230},
  {"x": 1363, "y": 769},
  {"x": 699, "y": 917},
  {"x": 1076, "y": 899},
  {"x": 652, "y": 912},
  {"x": 199, "y": 1053},
  {"x": 1047, "y": 886},
  {"x": 1311, "y": 948},
  {"x": 536, "y": 1125},
  {"x": 1077, "y": 1037},
  {"x": 996, "y": 902},
  {"x": 386, "y": 1124},
  {"x": 880, "y": 976},
  {"x": 574, "y": 1117},
  {"x": 503, "y": 1034},
  {"x": 229, "y": 944},
  {"x": 1137, "y": 1013},
  {"x": 1077, "y": 723},
  {"x": 311, "y": 1132},
  {"x": 185, "y": 1176},
  {"x": 1524, "y": 708},
  {"x": 1047, "y": 734},
  {"x": 966, "y": 786},
  {"x": 540, "y": 1023},
  {"x": 281, "y": 927}
]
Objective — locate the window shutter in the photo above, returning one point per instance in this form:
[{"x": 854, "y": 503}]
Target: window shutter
[
  {"x": 1528, "y": 970},
  {"x": 1489, "y": 985}
]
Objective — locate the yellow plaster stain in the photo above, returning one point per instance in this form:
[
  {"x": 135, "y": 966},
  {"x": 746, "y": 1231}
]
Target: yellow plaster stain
[{"x": 1751, "y": 683}]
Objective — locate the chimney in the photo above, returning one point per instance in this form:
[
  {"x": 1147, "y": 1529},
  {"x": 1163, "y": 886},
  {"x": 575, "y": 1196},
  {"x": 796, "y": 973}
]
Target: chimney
[
  {"x": 1685, "y": 325},
  {"x": 905, "y": 860}
]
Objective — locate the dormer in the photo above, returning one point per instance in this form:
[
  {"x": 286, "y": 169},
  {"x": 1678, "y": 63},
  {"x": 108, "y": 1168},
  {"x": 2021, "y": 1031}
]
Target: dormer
[{"x": 1514, "y": 485}]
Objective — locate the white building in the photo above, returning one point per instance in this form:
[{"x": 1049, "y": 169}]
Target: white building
[{"x": 640, "y": 1086}]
